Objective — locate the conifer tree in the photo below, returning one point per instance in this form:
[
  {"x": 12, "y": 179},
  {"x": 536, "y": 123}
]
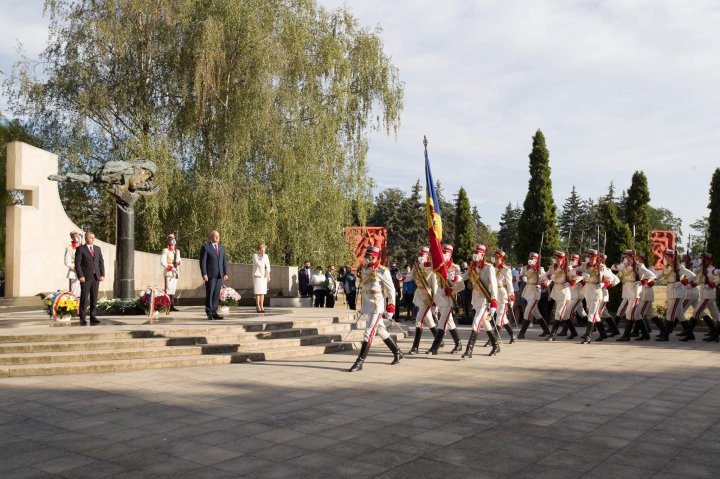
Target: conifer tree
[
  {"x": 507, "y": 236},
  {"x": 464, "y": 228},
  {"x": 539, "y": 216},
  {"x": 713, "y": 240},
  {"x": 568, "y": 220},
  {"x": 618, "y": 240},
  {"x": 637, "y": 209}
]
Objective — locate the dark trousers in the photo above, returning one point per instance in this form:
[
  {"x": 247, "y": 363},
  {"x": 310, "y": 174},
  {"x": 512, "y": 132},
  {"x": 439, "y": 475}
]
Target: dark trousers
[
  {"x": 88, "y": 289},
  {"x": 329, "y": 300},
  {"x": 212, "y": 295},
  {"x": 351, "y": 297},
  {"x": 320, "y": 298}
]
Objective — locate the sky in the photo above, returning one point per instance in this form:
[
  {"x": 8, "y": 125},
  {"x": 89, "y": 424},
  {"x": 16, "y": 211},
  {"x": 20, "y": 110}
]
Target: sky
[{"x": 615, "y": 86}]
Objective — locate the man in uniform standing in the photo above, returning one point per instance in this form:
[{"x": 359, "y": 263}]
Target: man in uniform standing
[
  {"x": 170, "y": 261},
  {"x": 376, "y": 284},
  {"x": 426, "y": 288},
  {"x": 484, "y": 299},
  {"x": 445, "y": 300},
  {"x": 73, "y": 282}
]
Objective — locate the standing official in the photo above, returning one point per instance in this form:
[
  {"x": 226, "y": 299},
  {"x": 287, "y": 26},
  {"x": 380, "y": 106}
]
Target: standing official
[
  {"x": 170, "y": 261},
  {"x": 214, "y": 269},
  {"x": 305, "y": 287},
  {"x": 73, "y": 282},
  {"x": 445, "y": 300},
  {"x": 426, "y": 288},
  {"x": 376, "y": 284},
  {"x": 90, "y": 270},
  {"x": 484, "y": 299}
]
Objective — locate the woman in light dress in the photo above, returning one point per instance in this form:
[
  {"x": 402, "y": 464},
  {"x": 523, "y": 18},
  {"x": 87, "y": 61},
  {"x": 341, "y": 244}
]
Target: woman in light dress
[{"x": 261, "y": 276}]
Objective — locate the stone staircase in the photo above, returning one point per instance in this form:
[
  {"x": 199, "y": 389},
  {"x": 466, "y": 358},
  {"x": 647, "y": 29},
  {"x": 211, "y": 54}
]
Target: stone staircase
[{"x": 127, "y": 348}]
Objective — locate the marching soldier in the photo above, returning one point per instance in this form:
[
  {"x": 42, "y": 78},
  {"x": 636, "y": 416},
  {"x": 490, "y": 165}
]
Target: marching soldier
[
  {"x": 630, "y": 279},
  {"x": 575, "y": 309},
  {"x": 170, "y": 261},
  {"x": 423, "y": 297},
  {"x": 560, "y": 293},
  {"x": 444, "y": 298},
  {"x": 597, "y": 278},
  {"x": 506, "y": 294},
  {"x": 692, "y": 295},
  {"x": 73, "y": 281},
  {"x": 534, "y": 277},
  {"x": 376, "y": 284},
  {"x": 484, "y": 299},
  {"x": 604, "y": 314},
  {"x": 644, "y": 309},
  {"x": 676, "y": 276},
  {"x": 708, "y": 276}
]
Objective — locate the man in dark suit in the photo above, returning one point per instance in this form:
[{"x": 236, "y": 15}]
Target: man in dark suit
[
  {"x": 90, "y": 270},
  {"x": 305, "y": 278},
  {"x": 214, "y": 268}
]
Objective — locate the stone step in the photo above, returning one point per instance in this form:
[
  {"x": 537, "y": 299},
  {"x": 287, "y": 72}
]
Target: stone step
[{"x": 91, "y": 334}]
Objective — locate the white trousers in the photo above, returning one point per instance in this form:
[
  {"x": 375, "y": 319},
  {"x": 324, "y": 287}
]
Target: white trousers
[
  {"x": 642, "y": 310},
  {"x": 75, "y": 287},
  {"x": 170, "y": 285},
  {"x": 675, "y": 310},
  {"x": 712, "y": 308},
  {"x": 532, "y": 311},
  {"x": 424, "y": 317},
  {"x": 375, "y": 325},
  {"x": 481, "y": 318},
  {"x": 446, "y": 318}
]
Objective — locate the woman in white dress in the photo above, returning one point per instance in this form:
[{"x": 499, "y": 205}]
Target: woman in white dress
[{"x": 261, "y": 276}]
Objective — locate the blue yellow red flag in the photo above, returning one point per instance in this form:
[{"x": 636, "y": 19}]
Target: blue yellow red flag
[{"x": 434, "y": 220}]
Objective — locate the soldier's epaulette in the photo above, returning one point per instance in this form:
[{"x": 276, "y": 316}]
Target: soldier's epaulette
[{"x": 381, "y": 269}]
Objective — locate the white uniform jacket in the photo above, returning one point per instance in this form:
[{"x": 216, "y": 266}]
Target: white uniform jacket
[{"x": 376, "y": 284}]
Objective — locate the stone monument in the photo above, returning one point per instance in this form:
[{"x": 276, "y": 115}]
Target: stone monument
[{"x": 127, "y": 181}]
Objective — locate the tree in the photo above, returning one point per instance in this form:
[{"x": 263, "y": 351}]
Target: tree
[
  {"x": 568, "y": 220},
  {"x": 618, "y": 240},
  {"x": 414, "y": 232},
  {"x": 388, "y": 214},
  {"x": 483, "y": 233},
  {"x": 664, "y": 219},
  {"x": 464, "y": 228},
  {"x": 257, "y": 113},
  {"x": 713, "y": 238},
  {"x": 507, "y": 236},
  {"x": 539, "y": 216},
  {"x": 447, "y": 212},
  {"x": 637, "y": 211}
]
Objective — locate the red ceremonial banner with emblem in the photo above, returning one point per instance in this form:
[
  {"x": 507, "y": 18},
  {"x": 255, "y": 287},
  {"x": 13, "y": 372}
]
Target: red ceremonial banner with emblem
[
  {"x": 661, "y": 240},
  {"x": 360, "y": 237}
]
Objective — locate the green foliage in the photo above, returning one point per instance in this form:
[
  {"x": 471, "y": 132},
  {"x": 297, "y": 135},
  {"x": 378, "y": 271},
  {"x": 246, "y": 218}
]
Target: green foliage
[
  {"x": 507, "y": 235},
  {"x": 539, "y": 214},
  {"x": 388, "y": 213},
  {"x": 256, "y": 112},
  {"x": 619, "y": 239},
  {"x": 664, "y": 219},
  {"x": 713, "y": 238},
  {"x": 572, "y": 212},
  {"x": 464, "y": 228},
  {"x": 414, "y": 229},
  {"x": 637, "y": 211},
  {"x": 483, "y": 233}
]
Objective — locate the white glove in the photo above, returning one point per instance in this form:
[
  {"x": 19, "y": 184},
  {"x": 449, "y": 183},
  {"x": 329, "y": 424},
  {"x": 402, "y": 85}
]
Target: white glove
[
  {"x": 585, "y": 276},
  {"x": 538, "y": 287}
]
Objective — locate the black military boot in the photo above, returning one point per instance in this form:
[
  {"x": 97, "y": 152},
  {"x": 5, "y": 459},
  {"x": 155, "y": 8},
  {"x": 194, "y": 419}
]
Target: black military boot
[
  {"x": 663, "y": 336},
  {"x": 689, "y": 336},
  {"x": 710, "y": 325},
  {"x": 172, "y": 303},
  {"x": 416, "y": 342},
  {"x": 393, "y": 347},
  {"x": 434, "y": 330},
  {"x": 456, "y": 338},
  {"x": 544, "y": 326},
  {"x": 647, "y": 325},
  {"x": 571, "y": 327},
  {"x": 626, "y": 332},
  {"x": 564, "y": 330},
  {"x": 436, "y": 343},
  {"x": 510, "y": 332},
  {"x": 693, "y": 324},
  {"x": 470, "y": 345},
  {"x": 635, "y": 330},
  {"x": 612, "y": 324},
  {"x": 644, "y": 333},
  {"x": 671, "y": 325},
  {"x": 601, "y": 329},
  {"x": 553, "y": 333},
  {"x": 714, "y": 335},
  {"x": 361, "y": 357},
  {"x": 495, "y": 343},
  {"x": 523, "y": 328},
  {"x": 587, "y": 337},
  {"x": 581, "y": 320}
]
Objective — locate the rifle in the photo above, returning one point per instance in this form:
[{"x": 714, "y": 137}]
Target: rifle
[
  {"x": 637, "y": 278},
  {"x": 702, "y": 264},
  {"x": 542, "y": 241},
  {"x": 175, "y": 258}
]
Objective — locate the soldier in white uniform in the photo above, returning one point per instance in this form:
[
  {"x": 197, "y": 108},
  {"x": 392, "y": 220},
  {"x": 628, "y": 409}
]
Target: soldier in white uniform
[
  {"x": 535, "y": 281},
  {"x": 576, "y": 308},
  {"x": 484, "y": 299},
  {"x": 73, "y": 281},
  {"x": 559, "y": 276},
  {"x": 170, "y": 261},
  {"x": 629, "y": 276},
  {"x": 506, "y": 294},
  {"x": 675, "y": 276},
  {"x": 692, "y": 295},
  {"x": 376, "y": 284},
  {"x": 597, "y": 278},
  {"x": 614, "y": 281},
  {"x": 707, "y": 277},
  {"x": 445, "y": 300},
  {"x": 426, "y": 288}
]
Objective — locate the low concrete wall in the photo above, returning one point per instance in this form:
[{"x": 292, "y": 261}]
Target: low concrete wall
[{"x": 38, "y": 232}]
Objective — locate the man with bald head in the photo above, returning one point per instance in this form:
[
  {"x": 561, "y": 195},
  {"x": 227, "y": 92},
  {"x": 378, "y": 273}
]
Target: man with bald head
[{"x": 213, "y": 266}]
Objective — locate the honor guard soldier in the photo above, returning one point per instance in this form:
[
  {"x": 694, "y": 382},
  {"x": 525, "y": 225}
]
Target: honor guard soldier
[
  {"x": 559, "y": 276},
  {"x": 614, "y": 280},
  {"x": 484, "y": 299},
  {"x": 692, "y": 295},
  {"x": 506, "y": 295},
  {"x": 170, "y": 261},
  {"x": 423, "y": 298},
  {"x": 597, "y": 278},
  {"x": 376, "y": 284},
  {"x": 576, "y": 308},
  {"x": 707, "y": 277},
  {"x": 676, "y": 276},
  {"x": 534, "y": 277},
  {"x": 644, "y": 309},
  {"x": 73, "y": 281},
  {"x": 445, "y": 300},
  {"x": 630, "y": 279}
]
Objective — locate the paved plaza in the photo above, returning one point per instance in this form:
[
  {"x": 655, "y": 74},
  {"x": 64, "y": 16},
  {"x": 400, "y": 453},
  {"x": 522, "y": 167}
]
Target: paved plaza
[{"x": 539, "y": 409}]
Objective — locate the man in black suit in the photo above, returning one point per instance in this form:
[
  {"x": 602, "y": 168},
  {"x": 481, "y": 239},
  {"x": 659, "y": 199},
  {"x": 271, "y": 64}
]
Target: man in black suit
[
  {"x": 214, "y": 268},
  {"x": 305, "y": 278},
  {"x": 90, "y": 270}
]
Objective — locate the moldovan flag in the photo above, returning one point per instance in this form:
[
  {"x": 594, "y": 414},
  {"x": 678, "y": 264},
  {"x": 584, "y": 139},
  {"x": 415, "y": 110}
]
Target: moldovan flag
[{"x": 434, "y": 221}]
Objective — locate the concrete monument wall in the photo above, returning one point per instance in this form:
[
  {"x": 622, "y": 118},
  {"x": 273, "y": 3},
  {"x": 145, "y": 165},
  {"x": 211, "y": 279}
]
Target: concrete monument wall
[{"x": 38, "y": 232}]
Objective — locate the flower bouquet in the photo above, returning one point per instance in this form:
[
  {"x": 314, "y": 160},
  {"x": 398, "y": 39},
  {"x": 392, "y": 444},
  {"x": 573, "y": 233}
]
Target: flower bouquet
[
  {"x": 228, "y": 297},
  {"x": 155, "y": 301},
  {"x": 62, "y": 305}
]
